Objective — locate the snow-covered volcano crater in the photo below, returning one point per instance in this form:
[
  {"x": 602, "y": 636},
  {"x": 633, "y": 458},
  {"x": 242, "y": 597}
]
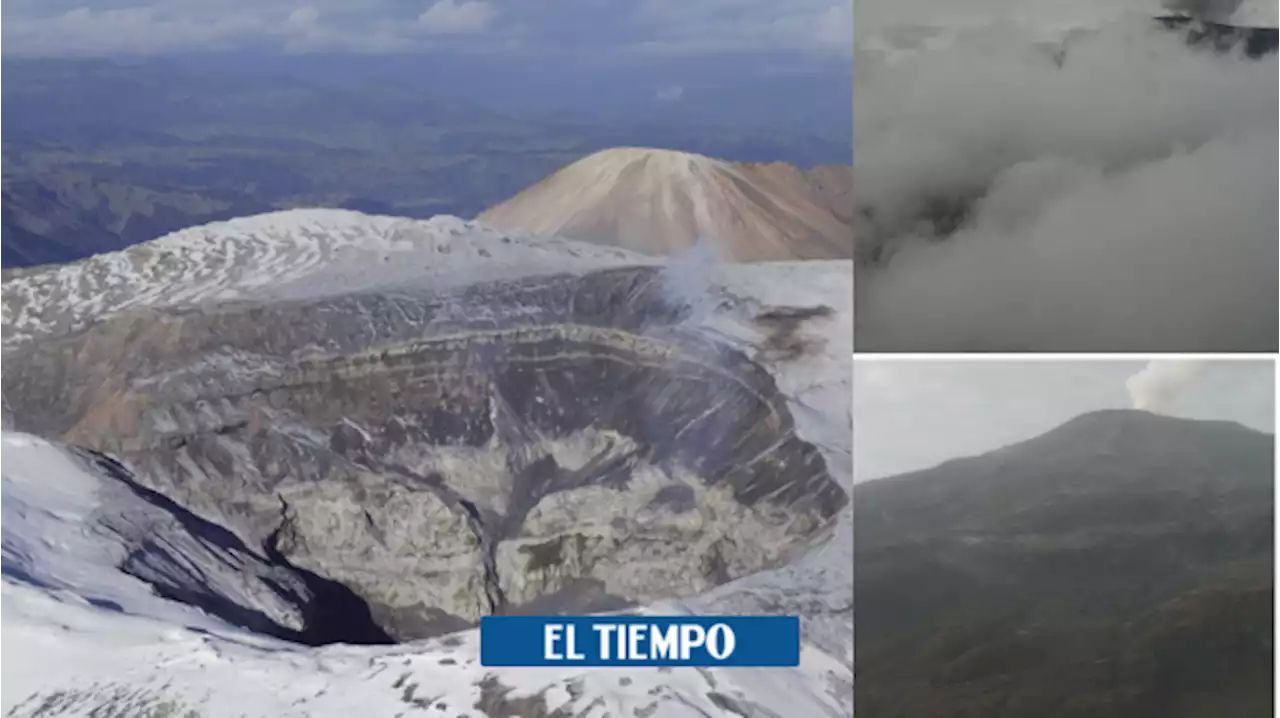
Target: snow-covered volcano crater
[{"x": 284, "y": 433}]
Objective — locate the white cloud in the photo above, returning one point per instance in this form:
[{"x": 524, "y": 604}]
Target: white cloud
[
  {"x": 303, "y": 17},
  {"x": 449, "y": 17},
  {"x": 668, "y": 26},
  {"x": 136, "y": 30},
  {"x": 670, "y": 94},
  {"x": 179, "y": 27},
  {"x": 835, "y": 25},
  {"x": 684, "y": 26}
]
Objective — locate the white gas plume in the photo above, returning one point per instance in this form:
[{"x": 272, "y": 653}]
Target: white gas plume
[
  {"x": 1157, "y": 387},
  {"x": 686, "y": 278}
]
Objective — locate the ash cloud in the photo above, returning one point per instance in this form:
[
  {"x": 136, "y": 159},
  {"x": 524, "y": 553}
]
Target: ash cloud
[{"x": 1110, "y": 191}]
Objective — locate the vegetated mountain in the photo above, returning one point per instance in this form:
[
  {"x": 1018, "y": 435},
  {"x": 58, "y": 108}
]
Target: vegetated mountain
[
  {"x": 213, "y": 133},
  {"x": 1119, "y": 565},
  {"x": 659, "y": 201},
  {"x": 417, "y": 423}
]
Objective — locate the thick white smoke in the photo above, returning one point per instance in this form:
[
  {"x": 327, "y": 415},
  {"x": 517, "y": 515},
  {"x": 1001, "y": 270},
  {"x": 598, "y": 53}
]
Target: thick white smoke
[
  {"x": 1113, "y": 192},
  {"x": 1156, "y": 388}
]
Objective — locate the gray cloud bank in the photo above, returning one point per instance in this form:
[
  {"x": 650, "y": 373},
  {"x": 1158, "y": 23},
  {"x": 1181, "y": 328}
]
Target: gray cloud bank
[{"x": 1120, "y": 199}]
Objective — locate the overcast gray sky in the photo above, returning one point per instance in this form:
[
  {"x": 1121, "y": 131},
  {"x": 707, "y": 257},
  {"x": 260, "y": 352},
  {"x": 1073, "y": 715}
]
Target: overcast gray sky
[
  {"x": 107, "y": 27},
  {"x": 914, "y": 414}
]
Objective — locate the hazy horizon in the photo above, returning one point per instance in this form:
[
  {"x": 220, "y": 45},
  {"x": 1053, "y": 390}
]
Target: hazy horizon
[
  {"x": 737, "y": 64},
  {"x": 185, "y": 113}
]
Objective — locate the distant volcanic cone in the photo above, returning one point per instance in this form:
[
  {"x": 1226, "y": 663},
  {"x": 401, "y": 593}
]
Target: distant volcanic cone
[{"x": 661, "y": 201}]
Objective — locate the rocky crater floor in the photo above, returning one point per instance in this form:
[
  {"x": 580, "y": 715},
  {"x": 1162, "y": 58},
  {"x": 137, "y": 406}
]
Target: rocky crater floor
[{"x": 557, "y": 444}]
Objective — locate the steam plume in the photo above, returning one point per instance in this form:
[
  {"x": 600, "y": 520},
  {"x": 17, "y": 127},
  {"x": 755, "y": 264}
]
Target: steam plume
[
  {"x": 686, "y": 278},
  {"x": 1157, "y": 386}
]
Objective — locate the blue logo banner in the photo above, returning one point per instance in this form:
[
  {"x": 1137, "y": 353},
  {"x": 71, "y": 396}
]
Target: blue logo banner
[{"x": 639, "y": 641}]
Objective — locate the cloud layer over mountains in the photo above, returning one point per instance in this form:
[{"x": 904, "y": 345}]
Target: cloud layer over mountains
[{"x": 1102, "y": 189}]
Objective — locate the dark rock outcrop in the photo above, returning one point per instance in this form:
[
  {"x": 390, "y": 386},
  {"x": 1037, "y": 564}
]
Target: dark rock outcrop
[{"x": 1253, "y": 42}]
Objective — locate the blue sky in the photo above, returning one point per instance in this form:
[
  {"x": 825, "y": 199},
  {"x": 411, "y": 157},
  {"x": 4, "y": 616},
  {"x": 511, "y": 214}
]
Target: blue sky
[{"x": 133, "y": 27}]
